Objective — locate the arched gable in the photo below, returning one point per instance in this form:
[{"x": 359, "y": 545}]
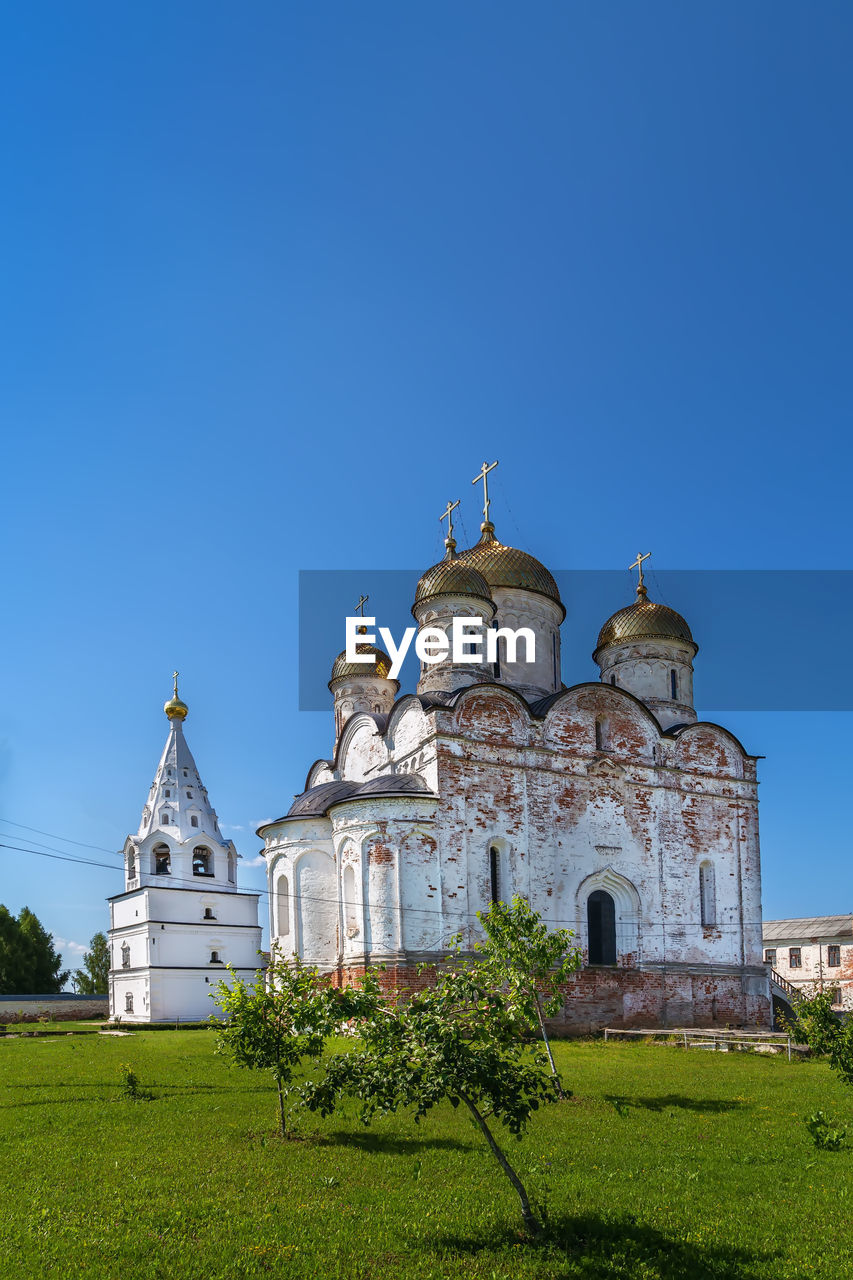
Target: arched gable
[
  {"x": 493, "y": 713},
  {"x": 362, "y": 748},
  {"x": 407, "y": 727},
  {"x": 632, "y": 731},
  {"x": 710, "y": 749},
  {"x": 628, "y": 911}
]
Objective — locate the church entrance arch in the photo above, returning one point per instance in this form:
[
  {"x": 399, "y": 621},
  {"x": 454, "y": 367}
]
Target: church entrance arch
[{"x": 601, "y": 925}]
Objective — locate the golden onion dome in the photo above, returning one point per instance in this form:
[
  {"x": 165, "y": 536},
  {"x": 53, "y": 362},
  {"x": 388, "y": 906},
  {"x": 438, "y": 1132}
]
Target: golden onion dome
[
  {"x": 380, "y": 670},
  {"x": 176, "y": 709},
  {"x": 504, "y": 566},
  {"x": 645, "y": 619},
  {"x": 452, "y": 577}
]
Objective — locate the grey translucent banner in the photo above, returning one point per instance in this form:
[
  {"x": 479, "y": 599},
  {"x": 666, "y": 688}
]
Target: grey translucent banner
[{"x": 769, "y": 639}]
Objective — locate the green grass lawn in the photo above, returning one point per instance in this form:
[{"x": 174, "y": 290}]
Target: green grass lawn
[{"x": 662, "y": 1164}]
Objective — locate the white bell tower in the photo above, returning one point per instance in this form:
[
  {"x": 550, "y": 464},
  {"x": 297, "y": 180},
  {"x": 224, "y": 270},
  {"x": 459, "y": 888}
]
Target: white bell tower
[{"x": 181, "y": 918}]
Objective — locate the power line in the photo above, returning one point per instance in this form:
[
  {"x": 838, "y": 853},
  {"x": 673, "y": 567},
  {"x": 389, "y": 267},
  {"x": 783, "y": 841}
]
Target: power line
[
  {"x": 53, "y": 836},
  {"x": 646, "y": 926}
]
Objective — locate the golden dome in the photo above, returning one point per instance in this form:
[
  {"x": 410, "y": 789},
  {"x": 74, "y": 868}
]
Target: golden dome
[
  {"x": 644, "y": 620},
  {"x": 380, "y": 670},
  {"x": 508, "y": 567},
  {"x": 174, "y": 708},
  {"x": 452, "y": 577}
]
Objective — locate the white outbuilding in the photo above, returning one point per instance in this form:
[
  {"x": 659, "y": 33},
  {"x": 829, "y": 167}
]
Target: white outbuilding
[{"x": 181, "y": 918}]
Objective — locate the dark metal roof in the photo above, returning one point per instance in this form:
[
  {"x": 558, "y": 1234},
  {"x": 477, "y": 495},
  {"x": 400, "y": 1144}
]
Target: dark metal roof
[
  {"x": 314, "y": 803},
  {"x": 807, "y": 927},
  {"x": 393, "y": 784}
]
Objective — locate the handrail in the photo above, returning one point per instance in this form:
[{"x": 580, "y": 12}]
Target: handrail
[{"x": 784, "y": 985}]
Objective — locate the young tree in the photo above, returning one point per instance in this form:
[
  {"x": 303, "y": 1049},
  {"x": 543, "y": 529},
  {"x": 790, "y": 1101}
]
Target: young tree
[
  {"x": 824, "y": 1032},
  {"x": 93, "y": 978},
  {"x": 274, "y": 1023},
  {"x": 457, "y": 1041},
  {"x": 530, "y": 961}
]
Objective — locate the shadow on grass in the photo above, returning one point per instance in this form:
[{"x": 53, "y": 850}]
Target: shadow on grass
[
  {"x": 595, "y": 1248},
  {"x": 669, "y": 1101},
  {"x": 382, "y": 1143}
]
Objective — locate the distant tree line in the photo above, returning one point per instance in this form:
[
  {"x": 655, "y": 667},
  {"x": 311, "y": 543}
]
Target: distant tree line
[{"x": 29, "y": 962}]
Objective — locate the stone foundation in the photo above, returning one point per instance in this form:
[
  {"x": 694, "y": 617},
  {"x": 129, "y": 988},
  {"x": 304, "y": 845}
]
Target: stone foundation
[{"x": 630, "y": 998}]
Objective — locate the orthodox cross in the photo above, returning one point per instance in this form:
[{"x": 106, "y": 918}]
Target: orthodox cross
[
  {"x": 638, "y": 564},
  {"x": 483, "y": 475},
  {"x": 448, "y": 516},
  {"x": 175, "y": 682},
  {"x": 362, "y": 601}
]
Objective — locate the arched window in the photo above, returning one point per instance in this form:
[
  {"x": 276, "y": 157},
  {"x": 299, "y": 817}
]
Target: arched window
[
  {"x": 707, "y": 894},
  {"x": 208, "y": 913},
  {"x": 214, "y": 958},
  {"x": 350, "y": 904},
  {"x": 131, "y": 865},
  {"x": 232, "y": 871},
  {"x": 193, "y": 821},
  {"x": 162, "y": 860},
  {"x": 494, "y": 873},
  {"x": 601, "y": 924},
  {"x": 612, "y": 679},
  {"x": 202, "y": 861},
  {"x": 125, "y": 956},
  {"x": 602, "y": 733},
  {"x": 164, "y": 819},
  {"x": 282, "y": 907},
  {"x": 128, "y": 1002},
  {"x": 673, "y": 684}
]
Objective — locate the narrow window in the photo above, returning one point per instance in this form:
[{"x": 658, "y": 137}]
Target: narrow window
[
  {"x": 214, "y": 957},
  {"x": 494, "y": 873},
  {"x": 554, "y": 660},
  {"x": 125, "y": 956},
  {"x": 168, "y": 794},
  {"x": 612, "y": 679},
  {"x": 795, "y": 958},
  {"x": 350, "y": 905},
  {"x": 833, "y": 957},
  {"x": 770, "y": 955},
  {"x": 232, "y": 869},
  {"x": 707, "y": 894},
  {"x": 496, "y": 665},
  {"x": 189, "y": 795},
  {"x": 131, "y": 866},
  {"x": 164, "y": 819},
  {"x": 673, "y": 685},
  {"x": 601, "y": 927},
  {"x": 193, "y": 821},
  {"x": 602, "y": 734},
  {"x": 202, "y": 861},
  {"x": 282, "y": 907},
  {"x": 208, "y": 913},
  {"x": 186, "y": 775},
  {"x": 128, "y": 1002}
]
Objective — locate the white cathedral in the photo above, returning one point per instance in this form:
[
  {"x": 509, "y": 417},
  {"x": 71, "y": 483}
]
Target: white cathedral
[
  {"x": 181, "y": 918},
  {"x": 608, "y": 805}
]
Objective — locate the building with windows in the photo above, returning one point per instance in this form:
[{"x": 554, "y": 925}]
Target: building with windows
[
  {"x": 181, "y": 918},
  {"x": 608, "y": 805},
  {"x": 813, "y": 954}
]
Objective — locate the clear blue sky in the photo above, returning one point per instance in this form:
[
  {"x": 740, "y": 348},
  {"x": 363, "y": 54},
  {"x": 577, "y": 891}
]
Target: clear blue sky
[{"x": 277, "y": 278}]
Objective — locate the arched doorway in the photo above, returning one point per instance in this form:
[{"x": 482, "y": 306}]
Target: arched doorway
[{"x": 601, "y": 927}]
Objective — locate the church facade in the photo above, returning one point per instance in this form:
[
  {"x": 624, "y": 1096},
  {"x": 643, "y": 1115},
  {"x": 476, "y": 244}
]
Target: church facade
[
  {"x": 181, "y": 918},
  {"x": 609, "y": 806}
]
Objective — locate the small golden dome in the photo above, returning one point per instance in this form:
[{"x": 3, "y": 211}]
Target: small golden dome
[
  {"x": 380, "y": 670},
  {"x": 644, "y": 620},
  {"x": 174, "y": 708},
  {"x": 503, "y": 566},
  {"x": 452, "y": 577}
]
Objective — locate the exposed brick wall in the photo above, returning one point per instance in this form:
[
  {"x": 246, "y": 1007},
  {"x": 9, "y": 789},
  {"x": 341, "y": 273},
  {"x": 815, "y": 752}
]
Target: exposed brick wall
[{"x": 31, "y": 1009}]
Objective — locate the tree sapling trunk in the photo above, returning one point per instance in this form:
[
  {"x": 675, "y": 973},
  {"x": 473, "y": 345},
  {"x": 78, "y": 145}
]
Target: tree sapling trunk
[
  {"x": 531, "y": 1222},
  {"x": 554, "y": 1072}
]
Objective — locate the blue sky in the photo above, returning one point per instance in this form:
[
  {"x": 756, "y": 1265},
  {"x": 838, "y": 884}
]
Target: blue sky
[{"x": 277, "y": 279}]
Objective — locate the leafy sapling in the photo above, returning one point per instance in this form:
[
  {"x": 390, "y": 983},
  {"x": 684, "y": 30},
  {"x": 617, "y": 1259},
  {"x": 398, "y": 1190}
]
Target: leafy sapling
[
  {"x": 530, "y": 962},
  {"x": 456, "y": 1041},
  {"x": 274, "y": 1024}
]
